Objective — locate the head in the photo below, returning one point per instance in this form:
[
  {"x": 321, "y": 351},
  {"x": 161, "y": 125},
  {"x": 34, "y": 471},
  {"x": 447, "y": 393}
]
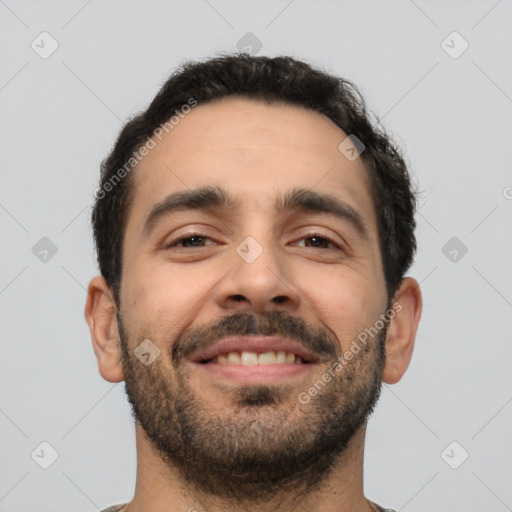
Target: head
[{"x": 237, "y": 209}]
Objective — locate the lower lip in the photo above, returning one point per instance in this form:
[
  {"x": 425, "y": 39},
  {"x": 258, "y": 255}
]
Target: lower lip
[{"x": 252, "y": 374}]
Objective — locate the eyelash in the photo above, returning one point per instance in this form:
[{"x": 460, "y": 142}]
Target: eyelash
[{"x": 175, "y": 243}]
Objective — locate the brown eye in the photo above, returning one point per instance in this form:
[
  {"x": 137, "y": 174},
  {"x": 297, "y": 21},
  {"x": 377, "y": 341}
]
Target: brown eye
[
  {"x": 191, "y": 241},
  {"x": 316, "y": 241}
]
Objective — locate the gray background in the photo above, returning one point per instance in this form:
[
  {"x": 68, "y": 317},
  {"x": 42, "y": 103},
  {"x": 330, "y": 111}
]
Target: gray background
[{"x": 452, "y": 116}]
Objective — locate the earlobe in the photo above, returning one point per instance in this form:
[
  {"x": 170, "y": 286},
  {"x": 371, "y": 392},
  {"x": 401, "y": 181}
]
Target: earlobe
[
  {"x": 100, "y": 315},
  {"x": 402, "y": 330}
]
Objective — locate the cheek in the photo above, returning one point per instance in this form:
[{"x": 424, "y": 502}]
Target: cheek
[
  {"x": 162, "y": 301},
  {"x": 346, "y": 303},
  {"x": 152, "y": 288}
]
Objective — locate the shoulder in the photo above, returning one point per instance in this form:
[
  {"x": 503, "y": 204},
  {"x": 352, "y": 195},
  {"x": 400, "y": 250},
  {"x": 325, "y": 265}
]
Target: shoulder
[
  {"x": 382, "y": 509},
  {"x": 114, "y": 508}
]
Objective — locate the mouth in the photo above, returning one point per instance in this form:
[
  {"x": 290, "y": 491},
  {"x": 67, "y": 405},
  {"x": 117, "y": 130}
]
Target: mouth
[
  {"x": 246, "y": 358},
  {"x": 255, "y": 359}
]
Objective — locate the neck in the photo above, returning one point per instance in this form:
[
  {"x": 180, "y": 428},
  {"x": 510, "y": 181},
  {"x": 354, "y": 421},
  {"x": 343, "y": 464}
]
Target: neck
[{"x": 160, "y": 487}]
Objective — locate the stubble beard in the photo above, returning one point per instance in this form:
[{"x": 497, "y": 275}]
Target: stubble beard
[{"x": 257, "y": 451}]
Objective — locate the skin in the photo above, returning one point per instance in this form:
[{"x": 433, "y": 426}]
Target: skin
[{"x": 255, "y": 151}]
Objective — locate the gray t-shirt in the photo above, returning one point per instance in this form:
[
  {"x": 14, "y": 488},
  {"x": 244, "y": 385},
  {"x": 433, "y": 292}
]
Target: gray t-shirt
[
  {"x": 382, "y": 509},
  {"x": 116, "y": 508}
]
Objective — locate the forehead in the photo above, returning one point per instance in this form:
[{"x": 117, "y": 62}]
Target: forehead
[{"x": 255, "y": 150}]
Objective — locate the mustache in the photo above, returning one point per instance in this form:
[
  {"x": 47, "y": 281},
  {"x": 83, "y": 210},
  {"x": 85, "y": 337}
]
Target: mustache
[{"x": 271, "y": 323}]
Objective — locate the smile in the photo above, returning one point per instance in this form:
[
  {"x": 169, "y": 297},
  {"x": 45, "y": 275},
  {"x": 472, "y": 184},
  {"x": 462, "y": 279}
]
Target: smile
[{"x": 246, "y": 358}]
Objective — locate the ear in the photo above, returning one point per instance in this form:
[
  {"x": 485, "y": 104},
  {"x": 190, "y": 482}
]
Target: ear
[
  {"x": 100, "y": 315},
  {"x": 402, "y": 330}
]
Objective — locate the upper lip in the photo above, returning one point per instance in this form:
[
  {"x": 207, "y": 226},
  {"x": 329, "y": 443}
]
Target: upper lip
[{"x": 256, "y": 344}]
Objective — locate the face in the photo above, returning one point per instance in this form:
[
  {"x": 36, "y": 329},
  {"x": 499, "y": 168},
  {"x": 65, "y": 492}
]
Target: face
[{"x": 251, "y": 262}]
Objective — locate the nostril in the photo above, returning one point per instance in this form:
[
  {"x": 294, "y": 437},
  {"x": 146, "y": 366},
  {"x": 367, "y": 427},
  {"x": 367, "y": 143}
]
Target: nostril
[
  {"x": 280, "y": 299},
  {"x": 239, "y": 298}
]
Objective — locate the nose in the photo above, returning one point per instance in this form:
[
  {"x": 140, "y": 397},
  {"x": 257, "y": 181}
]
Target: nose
[{"x": 258, "y": 281}]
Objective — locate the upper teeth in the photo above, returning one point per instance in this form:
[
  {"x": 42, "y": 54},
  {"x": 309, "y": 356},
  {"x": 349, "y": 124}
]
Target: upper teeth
[{"x": 252, "y": 358}]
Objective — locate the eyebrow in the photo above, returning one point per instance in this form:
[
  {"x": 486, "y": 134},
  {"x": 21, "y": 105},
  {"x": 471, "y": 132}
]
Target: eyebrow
[
  {"x": 308, "y": 201},
  {"x": 216, "y": 198},
  {"x": 204, "y": 198}
]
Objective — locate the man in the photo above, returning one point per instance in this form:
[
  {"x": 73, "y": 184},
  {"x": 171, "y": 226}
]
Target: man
[{"x": 253, "y": 229}]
